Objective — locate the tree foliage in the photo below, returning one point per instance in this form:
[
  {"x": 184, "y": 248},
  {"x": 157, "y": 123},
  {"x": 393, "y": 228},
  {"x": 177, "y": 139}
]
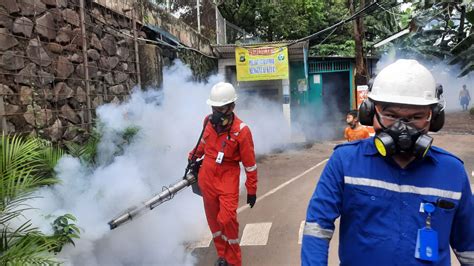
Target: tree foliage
[
  {"x": 275, "y": 20},
  {"x": 440, "y": 30},
  {"x": 26, "y": 164}
]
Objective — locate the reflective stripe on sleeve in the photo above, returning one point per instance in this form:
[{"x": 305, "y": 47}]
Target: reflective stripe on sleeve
[
  {"x": 426, "y": 191},
  {"x": 314, "y": 229},
  {"x": 465, "y": 257},
  {"x": 251, "y": 168}
]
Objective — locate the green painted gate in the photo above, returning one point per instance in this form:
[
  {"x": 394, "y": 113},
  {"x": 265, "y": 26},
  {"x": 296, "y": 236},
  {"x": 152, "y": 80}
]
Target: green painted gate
[{"x": 316, "y": 80}]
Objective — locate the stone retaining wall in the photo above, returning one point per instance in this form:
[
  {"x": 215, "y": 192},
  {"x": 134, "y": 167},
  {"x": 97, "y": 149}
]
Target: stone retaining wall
[
  {"x": 42, "y": 75},
  {"x": 43, "y": 84}
]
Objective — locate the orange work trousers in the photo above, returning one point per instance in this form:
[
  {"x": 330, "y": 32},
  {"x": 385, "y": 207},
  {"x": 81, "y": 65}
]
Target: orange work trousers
[{"x": 219, "y": 184}]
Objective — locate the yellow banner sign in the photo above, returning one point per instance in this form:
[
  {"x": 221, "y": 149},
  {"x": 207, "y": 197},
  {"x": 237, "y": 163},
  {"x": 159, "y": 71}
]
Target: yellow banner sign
[{"x": 261, "y": 63}]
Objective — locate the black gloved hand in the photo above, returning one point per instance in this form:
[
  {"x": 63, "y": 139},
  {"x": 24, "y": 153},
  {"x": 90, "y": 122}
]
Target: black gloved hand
[
  {"x": 194, "y": 166},
  {"x": 251, "y": 199},
  {"x": 189, "y": 168}
]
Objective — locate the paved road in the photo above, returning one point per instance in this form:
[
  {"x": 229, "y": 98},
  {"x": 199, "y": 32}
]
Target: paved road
[{"x": 270, "y": 232}]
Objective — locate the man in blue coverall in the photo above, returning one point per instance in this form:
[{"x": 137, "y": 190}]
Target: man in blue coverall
[{"x": 401, "y": 200}]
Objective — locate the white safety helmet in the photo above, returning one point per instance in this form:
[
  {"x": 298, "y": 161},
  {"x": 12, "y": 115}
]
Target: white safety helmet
[
  {"x": 405, "y": 82},
  {"x": 221, "y": 94}
]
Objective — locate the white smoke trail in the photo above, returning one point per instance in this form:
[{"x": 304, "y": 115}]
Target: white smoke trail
[{"x": 169, "y": 122}]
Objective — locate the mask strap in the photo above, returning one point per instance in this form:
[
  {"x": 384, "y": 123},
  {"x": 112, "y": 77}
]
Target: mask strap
[
  {"x": 377, "y": 115},
  {"x": 431, "y": 115}
]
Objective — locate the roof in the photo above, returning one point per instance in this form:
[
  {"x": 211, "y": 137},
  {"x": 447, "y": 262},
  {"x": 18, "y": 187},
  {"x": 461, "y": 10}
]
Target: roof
[
  {"x": 164, "y": 33},
  {"x": 295, "y": 49},
  {"x": 330, "y": 57}
]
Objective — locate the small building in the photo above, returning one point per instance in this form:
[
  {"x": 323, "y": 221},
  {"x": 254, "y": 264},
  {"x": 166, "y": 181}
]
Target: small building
[
  {"x": 275, "y": 90},
  {"x": 322, "y": 92},
  {"x": 316, "y": 96}
]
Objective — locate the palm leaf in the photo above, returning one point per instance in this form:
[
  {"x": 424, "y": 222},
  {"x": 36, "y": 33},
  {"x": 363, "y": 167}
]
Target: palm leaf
[
  {"x": 26, "y": 164},
  {"x": 31, "y": 248},
  {"x": 50, "y": 156},
  {"x": 18, "y": 153}
]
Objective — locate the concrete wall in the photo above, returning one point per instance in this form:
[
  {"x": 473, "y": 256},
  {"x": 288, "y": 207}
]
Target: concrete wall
[
  {"x": 151, "y": 65},
  {"x": 149, "y": 14},
  {"x": 185, "y": 34}
]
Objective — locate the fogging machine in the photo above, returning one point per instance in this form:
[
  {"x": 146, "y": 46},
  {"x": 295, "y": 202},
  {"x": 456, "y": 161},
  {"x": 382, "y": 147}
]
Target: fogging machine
[{"x": 167, "y": 193}]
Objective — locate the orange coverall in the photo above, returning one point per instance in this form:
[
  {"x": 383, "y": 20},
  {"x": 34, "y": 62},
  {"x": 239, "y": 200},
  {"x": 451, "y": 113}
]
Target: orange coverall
[{"x": 219, "y": 183}]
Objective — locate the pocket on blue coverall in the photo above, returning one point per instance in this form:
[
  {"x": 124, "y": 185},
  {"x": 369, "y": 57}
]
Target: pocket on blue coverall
[
  {"x": 373, "y": 209},
  {"x": 442, "y": 218}
]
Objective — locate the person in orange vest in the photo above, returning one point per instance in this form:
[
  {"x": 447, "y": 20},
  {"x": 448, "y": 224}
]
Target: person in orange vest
[
  {"x": 355, "y": 130},
  {"x": 226, "y": 141}
]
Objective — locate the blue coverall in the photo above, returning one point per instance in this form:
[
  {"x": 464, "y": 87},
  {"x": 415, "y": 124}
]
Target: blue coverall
[{"x": 379, "y": 205}]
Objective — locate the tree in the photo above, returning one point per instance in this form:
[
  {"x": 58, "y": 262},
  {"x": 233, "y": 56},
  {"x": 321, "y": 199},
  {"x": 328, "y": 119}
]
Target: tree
[
  {"x": 275, "y": 20},
  {"x": 439, "y": 31},
  {"x": 361, "y": 76},
  {"x": 339, "y": 41},
  {"x": 464, "y": 51}
]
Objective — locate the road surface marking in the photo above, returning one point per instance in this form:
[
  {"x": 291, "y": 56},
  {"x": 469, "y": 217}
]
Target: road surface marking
[
  {"x": 255, "y": 234},
  {"x": 300, "y": 233},
  {"x": 204, "y": 242},
  {"x": 246, "y": 206}
]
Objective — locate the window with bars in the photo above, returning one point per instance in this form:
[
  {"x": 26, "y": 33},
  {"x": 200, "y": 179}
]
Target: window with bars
[{"x": 335, "y": 66}]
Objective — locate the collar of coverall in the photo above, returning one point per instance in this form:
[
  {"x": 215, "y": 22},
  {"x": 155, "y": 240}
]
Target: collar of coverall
[{"x": 370, "y": 150}]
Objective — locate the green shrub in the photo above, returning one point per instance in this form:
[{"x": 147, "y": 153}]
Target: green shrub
[{"x": 26, "y": 165}]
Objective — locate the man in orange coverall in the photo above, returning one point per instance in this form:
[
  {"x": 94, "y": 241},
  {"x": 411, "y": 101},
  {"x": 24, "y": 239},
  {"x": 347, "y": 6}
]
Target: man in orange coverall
[{"x": 226, "y": 141}]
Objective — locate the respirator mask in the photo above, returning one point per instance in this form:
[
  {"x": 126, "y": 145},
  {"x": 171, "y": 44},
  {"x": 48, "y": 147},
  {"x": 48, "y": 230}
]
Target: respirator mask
[
  {"x": 402, "y": 137},
  {"x": 219, "y": 118}
]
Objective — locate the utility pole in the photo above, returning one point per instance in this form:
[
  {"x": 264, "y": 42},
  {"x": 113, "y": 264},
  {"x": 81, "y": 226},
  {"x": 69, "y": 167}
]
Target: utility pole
[
  {"x": 217, "y": 22},
  {"x": 361, "y": 75},
  {"x": 86, "y": 64},
  {"x": 198, "y": 6}
]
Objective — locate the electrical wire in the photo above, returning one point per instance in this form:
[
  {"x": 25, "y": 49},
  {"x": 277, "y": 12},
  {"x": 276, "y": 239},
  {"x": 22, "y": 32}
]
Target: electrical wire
[
  {"x": 159, "y": 42},
  {"x": 329, "y": 35},
  {"x": 390, "y": 12},
  {"x": 342, "y": 22},
  {"x": 332, "y": 30}
]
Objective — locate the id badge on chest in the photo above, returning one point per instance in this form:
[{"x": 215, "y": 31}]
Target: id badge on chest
[
  {"x": 220, "y": 157},
  {"x": 427, "y": 238},
  {"x": 427, "y": 244}
]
